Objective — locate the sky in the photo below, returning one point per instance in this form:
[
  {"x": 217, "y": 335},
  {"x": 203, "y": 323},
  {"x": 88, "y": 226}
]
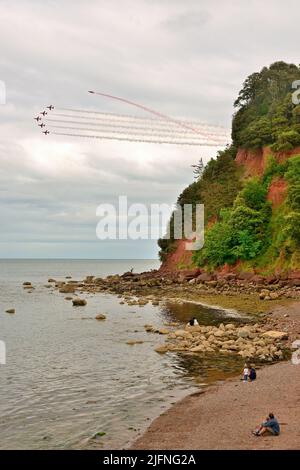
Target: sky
[{"x": 184, "y": 59}]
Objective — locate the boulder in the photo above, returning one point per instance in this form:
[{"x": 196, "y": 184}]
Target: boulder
[
  {"x": 10, "y": 310},
  {"x": 162, "y": 348},
  {"x": 199, "y": 348},
  {"x": 244, "y": 332},
  {"x": 219, "y": 333},
  {"x": 205, "y": 277},
  {"x": 131, "y": 342},
  {"x": 67, "y": 289},
  {"x": 274, "y": 295},
  {"x": 229, "y": 326},
  {"x": 149, "y": 328},
  {"x": 181, "y": 333},
  {"x": 277, "y": 335},
  {"x": 191, "y": 328},
  {"x": 163, "y": 331},
  {"x": 100, "y": 316},
  {"x": 79, "y": 302}
]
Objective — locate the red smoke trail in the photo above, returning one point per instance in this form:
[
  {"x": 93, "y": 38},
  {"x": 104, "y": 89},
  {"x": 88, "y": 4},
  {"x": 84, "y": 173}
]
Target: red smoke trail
[{"x": 148, "y": 110}]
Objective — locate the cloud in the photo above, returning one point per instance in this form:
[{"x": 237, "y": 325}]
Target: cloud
[{"x": 184, "y": 59}]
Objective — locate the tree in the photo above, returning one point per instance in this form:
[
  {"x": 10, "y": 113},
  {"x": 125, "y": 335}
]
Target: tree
[{"x": 198, "y": 169}]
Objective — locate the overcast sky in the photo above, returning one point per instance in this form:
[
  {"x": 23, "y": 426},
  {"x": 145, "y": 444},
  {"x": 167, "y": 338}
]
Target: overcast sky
[{"x": 186, "y": 59}]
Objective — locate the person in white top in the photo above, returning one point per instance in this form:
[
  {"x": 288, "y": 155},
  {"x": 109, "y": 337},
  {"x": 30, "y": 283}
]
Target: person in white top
[{"x": 246, "y": 373}]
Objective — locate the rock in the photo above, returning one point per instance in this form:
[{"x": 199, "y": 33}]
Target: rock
[
  {"x": 205, "y": 277},
  {"x": 187, "y": 275},
  {"x": 163, "y": 331},
  {"x": 131, "y": 342},
  {"x": 181, "y": 333},
  {"x": 68, "y": 298},
  {"x": 162, "y": 348},
  {"x": 149, "y": 328},
  {"x": 191, "y": 328},
  {"x": 275, "y": 334},
  {"x": 100, "y": 316},
  {"x": 27, "y": 283},
  {"x": 229, "y": 326},
  {"x": 67, "y": 289},
  {"x": 155, "y": 302},
  {"x": 219, "y": 333},
  {"x": 244, "y": 332},
  {"x": 199, "y": 348},
  {"x": 79, "y": 302},
  {"x": 51, "y": 280},
  {"x": 274, "y": 296},
  {"x": 10, "y": 310}
]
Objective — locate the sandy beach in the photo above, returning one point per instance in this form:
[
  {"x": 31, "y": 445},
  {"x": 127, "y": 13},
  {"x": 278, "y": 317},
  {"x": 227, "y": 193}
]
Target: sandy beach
[{"x": 223, "y": 416}]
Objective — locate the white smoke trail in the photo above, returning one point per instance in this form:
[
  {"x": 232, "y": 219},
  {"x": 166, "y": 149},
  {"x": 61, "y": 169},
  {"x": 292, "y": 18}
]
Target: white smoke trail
[
  {"x": 134, "y": 129},
  {"x": 144, "y": 125},
  {"x": 174, "y": 142},
  {"x": 115, "y": 116},
  {"x": 140, "y": 134}
]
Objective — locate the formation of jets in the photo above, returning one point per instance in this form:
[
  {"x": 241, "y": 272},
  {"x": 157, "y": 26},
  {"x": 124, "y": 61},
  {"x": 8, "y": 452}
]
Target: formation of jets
[{"x": 44, "y": 113}]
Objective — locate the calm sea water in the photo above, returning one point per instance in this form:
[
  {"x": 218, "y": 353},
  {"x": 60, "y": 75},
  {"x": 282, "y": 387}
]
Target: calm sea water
[{"x": 68, "y": 376}]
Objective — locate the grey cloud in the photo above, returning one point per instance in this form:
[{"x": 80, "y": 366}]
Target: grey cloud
[{"x": 185, "y": 59}]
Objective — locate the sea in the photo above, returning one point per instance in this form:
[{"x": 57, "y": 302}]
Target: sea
[{"x": 72, "y": 382}]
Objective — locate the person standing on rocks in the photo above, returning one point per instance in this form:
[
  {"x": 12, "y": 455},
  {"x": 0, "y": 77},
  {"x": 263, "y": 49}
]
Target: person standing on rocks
[
  {"x": 246, "y": 373},
  {"x": 270, "y": 426}
]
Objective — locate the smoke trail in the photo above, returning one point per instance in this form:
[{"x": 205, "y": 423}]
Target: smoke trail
[
  {"x": 133, "y": 129},
  {"x": 128, "y": 116},
  {"x": 115, "y": 118},
  {"x": 205, "y": 144},
  {"x": 138, "y": 134},
  {"x": 148, "y": 110}
]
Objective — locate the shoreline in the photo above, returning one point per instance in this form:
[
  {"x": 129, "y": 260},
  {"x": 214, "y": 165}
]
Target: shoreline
[
  {"x": 273, "y": 306},
  {"x": 223, "y": 415}
]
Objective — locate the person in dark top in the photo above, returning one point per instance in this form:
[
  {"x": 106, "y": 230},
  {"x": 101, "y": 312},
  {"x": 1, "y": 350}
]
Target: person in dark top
[
  {"x": 271, "y": 425},
  {"x": 252, "y": 374}
]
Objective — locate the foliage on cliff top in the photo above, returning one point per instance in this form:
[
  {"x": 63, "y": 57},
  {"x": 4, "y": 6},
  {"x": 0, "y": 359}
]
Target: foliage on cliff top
[
  {"x": 265, "y": 113},
  {"x": 240, "y": 223}
]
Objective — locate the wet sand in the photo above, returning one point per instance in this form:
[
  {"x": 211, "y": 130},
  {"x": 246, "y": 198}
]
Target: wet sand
[{"x": 223, "y": 416}]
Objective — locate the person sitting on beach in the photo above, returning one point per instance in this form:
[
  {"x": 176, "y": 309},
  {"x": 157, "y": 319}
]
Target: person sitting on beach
[
  {"x": 193, "y": 322},
  {"x": 252, "y": 374},
  {"x": 245, "y": 373},
  {"x": 271, "y": 426}
]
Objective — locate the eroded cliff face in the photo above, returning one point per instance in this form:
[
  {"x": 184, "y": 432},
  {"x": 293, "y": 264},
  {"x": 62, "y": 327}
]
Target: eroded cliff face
[
  {"x": 253, "y": 163},
  {"x": 179, "y": 259}
]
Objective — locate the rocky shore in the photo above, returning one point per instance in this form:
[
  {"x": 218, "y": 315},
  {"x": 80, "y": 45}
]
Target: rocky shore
[
  {"x": 259, "y": 339},
  {"x": 255, "y": 292},
  {"x": 273, "y": 305},
  {"x": 222, "y": 416}
]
